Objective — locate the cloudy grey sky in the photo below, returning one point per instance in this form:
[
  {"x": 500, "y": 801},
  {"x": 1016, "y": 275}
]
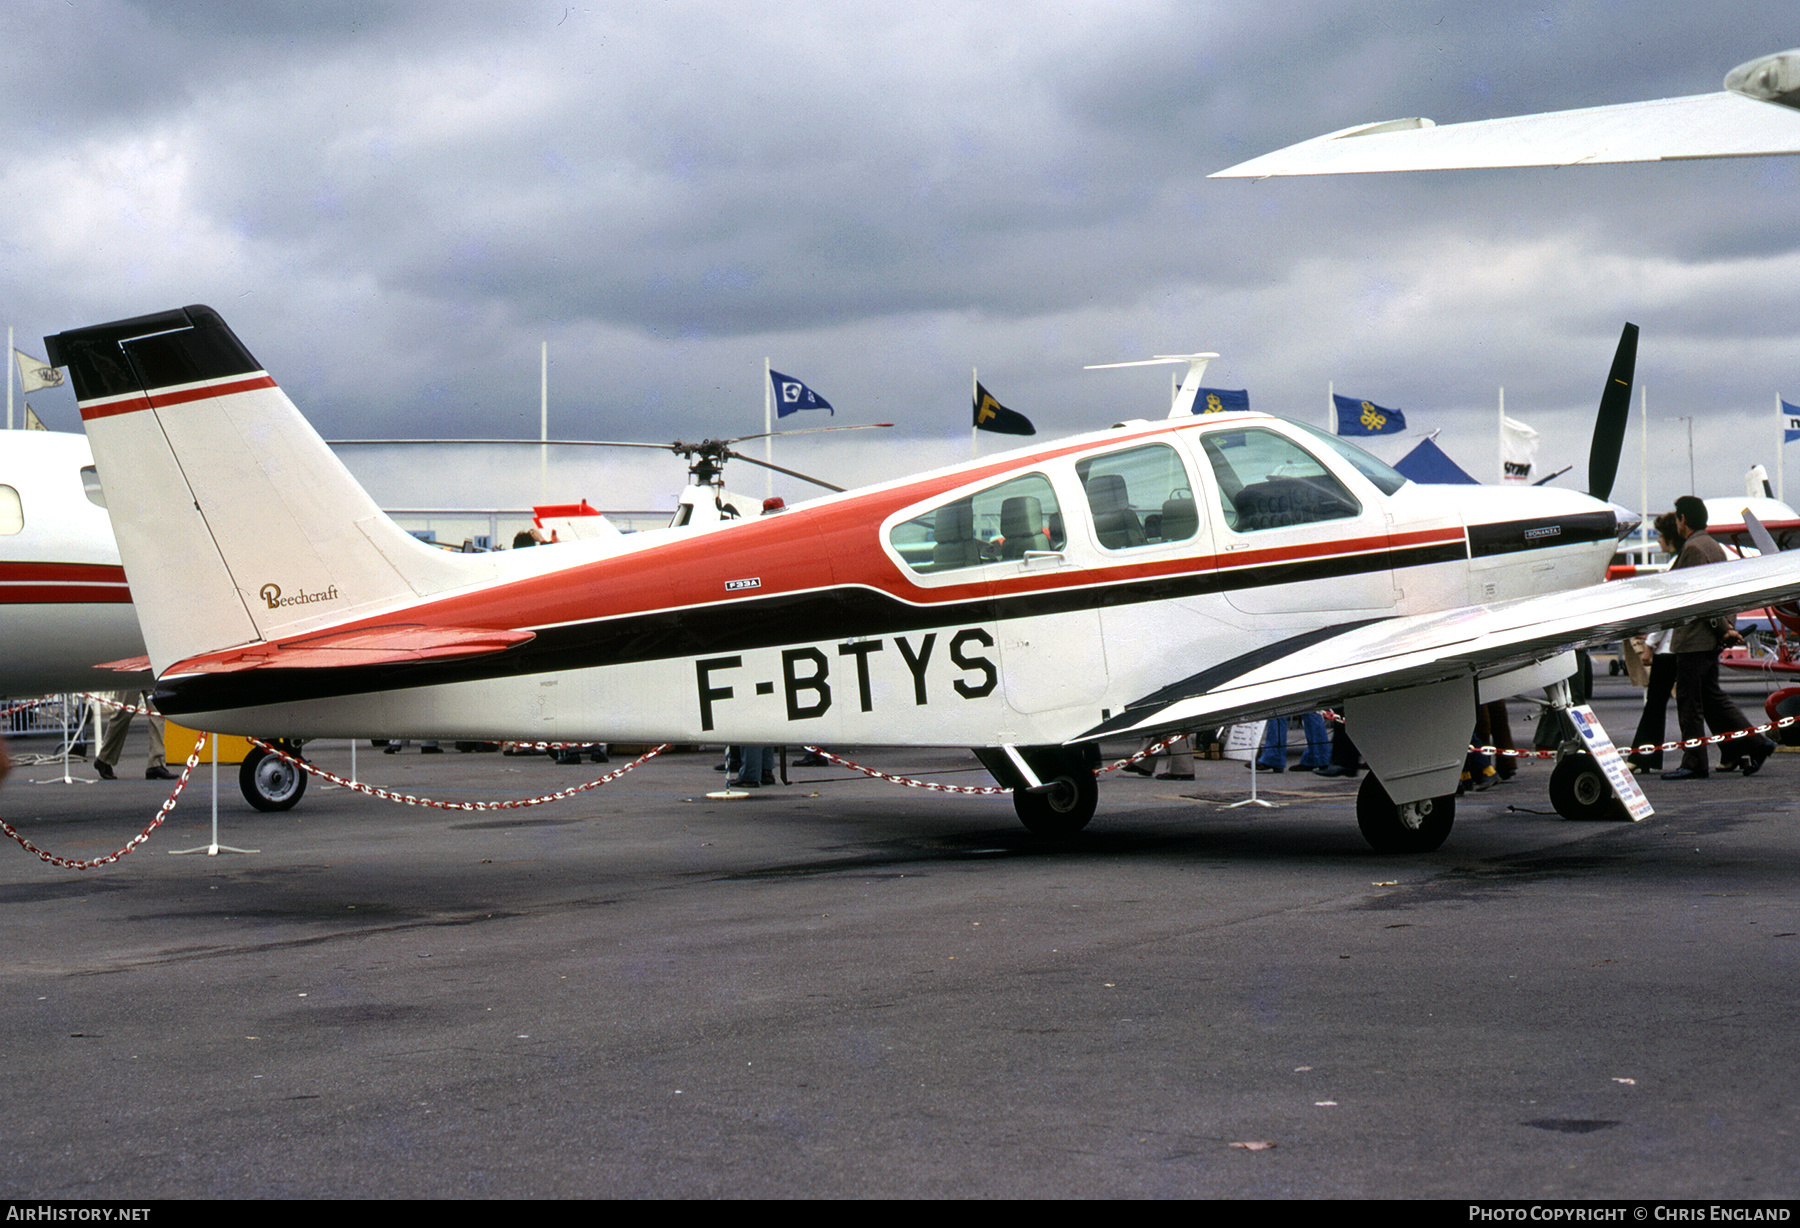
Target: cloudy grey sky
[{"x": 394, "y": 205}]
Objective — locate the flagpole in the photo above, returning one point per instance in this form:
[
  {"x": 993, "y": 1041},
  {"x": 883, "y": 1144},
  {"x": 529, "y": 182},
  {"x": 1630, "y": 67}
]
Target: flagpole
[
  {"x": 1644, "y": 469},
  {"x": 11, "y": 362},
  {"x": 974, "y": 431},
  {"x": 1780, "y": 444},
  {"x": 544, "y": 421},
  {"x": 1500, "y": 441},
  {"x": 1330, "y": 406},
  {"x": 768, "y": 429}
]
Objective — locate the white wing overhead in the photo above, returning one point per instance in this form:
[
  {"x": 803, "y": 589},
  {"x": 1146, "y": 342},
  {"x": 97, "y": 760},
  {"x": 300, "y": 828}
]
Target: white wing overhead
[
  {"x": 1478, "y": 642},
  {"x": 1754, "y": 116}
]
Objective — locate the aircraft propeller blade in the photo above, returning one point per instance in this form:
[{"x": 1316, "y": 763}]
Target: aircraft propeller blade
[{"x": 1614, "y": 416}]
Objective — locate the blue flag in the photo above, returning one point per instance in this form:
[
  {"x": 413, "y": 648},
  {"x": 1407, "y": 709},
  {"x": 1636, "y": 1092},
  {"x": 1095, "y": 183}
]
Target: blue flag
[
  {"x": 1366, "y": 418},
  {"x": 792, "y": 396},
  {"x": 1790, "y": 422},
  {"x": 1220, "y": 400}
]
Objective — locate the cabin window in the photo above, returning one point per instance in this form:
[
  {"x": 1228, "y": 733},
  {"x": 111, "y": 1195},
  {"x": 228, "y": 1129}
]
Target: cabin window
[
  {"x": 1139, "y": 497},
  {"x": 90, "y": 486},
  {"x": 1002, "y": 522},
  {"x": 12, "y": 512},
  {"x": 1267, "y": 481}
]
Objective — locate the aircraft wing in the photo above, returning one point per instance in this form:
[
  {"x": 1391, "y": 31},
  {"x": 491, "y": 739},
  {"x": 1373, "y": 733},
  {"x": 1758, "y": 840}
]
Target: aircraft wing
[
  {"x": 1721, "y": 125},
  {"x": 1388, "y": 654}
]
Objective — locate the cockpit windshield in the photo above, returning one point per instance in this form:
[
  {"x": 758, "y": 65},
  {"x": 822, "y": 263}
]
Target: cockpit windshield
[{"x": 1386, "y": 478}]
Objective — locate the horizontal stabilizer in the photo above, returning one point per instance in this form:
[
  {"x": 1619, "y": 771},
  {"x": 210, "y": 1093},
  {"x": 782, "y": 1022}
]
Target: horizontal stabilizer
[{"x": 391, "y": 645}]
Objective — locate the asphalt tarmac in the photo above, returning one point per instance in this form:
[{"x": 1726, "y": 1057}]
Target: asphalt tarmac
[{"x": 847, "y": 988}]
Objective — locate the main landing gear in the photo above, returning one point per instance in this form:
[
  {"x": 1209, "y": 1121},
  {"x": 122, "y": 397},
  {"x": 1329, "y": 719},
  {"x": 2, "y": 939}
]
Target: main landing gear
[
  {"x": 1412, "y": 827},
  {"x": 270, "y": 782}
]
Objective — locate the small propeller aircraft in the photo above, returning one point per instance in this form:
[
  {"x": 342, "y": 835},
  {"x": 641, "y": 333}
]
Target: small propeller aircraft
[
  {"x": 1756, "y": 113},
  {"x": 64, "y": 604},
  {"x": 1158, "y": 576}
]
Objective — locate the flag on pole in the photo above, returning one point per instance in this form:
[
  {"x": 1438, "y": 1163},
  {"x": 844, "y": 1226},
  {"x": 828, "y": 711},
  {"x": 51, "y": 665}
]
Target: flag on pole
[
  {"x": 1221, "y": 400},
  {"x": 1518, "y": 450},
  {"x": 1790, "y": 422},
  {"x": 990, "y": 415},
  {"x": 32, "y": 421},
  {"x": 792, "y": 396},
  {"x": 1356, "y": 417},
  {"x": 34, "y": 374}
]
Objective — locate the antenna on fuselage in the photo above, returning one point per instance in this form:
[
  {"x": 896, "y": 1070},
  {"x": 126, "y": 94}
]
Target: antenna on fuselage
[{"x": 1190, "y": 384}]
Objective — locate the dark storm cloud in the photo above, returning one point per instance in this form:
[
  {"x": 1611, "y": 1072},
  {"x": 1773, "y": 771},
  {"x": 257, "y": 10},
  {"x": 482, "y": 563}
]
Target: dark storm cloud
[{"x": 396, "y": 204}]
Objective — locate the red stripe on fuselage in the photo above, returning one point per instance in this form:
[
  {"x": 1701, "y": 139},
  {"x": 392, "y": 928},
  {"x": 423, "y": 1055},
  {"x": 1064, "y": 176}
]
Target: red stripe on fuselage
[
  {"x": 131, "y": 404},
  {"x": 835, "y": 546},
  {"x": 62, "y": 584}
]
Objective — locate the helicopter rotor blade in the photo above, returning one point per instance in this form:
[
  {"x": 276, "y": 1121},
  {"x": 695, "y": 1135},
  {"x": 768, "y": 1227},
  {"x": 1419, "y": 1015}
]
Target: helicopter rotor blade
[
  {"x": 535, "y": 443},
  {"x": 792, "y": 473},
  {"x": 811, "y": 430}
]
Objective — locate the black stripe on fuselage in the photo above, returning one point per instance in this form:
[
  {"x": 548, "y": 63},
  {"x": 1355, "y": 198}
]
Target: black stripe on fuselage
[
  {"x": 1542, "y": 533},
  {"x": 762, "y": 622}
]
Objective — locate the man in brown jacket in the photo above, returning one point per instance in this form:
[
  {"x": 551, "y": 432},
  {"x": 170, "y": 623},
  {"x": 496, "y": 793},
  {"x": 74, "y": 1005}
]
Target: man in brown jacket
[{"x": 1699, "y": 700}]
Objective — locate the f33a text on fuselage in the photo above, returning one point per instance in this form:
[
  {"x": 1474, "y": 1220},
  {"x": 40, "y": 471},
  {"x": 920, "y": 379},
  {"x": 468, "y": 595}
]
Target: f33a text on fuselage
[{"x": 1157, "y": 576}]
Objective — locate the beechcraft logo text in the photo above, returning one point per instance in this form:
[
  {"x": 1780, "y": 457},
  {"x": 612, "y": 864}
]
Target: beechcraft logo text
[{"x": 271, "y": 593}]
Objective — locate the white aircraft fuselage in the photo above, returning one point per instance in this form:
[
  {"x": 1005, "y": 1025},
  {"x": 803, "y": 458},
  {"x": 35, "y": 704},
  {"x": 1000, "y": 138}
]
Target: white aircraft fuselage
[{"x": 64, "y": 604}]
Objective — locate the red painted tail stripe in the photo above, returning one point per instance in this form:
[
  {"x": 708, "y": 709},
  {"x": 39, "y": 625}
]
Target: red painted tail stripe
[{"x": 164, "y": 397}]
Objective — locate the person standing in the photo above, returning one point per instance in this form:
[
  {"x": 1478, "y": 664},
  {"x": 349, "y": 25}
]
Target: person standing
[
  {"x": 1699, "y": 699},
  {"x": 118, "y": 724},
  {"x": 1659, "y": 660}
]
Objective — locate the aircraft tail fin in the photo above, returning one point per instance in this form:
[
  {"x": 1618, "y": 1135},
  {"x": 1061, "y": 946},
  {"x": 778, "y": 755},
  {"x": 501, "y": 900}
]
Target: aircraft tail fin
[{"x": 234, "y": 520}]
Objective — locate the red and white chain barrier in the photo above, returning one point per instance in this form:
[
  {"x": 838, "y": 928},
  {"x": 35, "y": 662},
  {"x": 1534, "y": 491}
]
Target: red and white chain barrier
[
  {"x": 409, "y": 799},
  {"x": 141, "y": 837}
]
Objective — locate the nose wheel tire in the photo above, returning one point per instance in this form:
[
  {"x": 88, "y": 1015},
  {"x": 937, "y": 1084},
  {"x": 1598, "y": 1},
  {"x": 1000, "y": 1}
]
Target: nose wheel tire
[
  {"x": 1064, "y": 808},
  {"x": 270, "y": 782},
  {"x": 1579, "y": 790},
  {"x": 1415, "y": 827}
]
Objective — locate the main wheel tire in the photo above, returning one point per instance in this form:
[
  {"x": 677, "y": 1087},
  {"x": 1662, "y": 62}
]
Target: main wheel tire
[
  {"x": 1416, "y": 827},
  {"x": 270, "y": 782},
  {"x": 1579, "y": 790},
  {"x": 1064, "y": 808}
]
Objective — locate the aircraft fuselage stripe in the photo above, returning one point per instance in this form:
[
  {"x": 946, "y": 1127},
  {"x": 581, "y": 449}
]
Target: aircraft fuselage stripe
[
  {"x": 62, "y": 584},
  {"x": 842, "y": 612}
]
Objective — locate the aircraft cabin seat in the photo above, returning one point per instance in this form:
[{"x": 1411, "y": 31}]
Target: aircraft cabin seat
[{"x": 1115, "y": 524}]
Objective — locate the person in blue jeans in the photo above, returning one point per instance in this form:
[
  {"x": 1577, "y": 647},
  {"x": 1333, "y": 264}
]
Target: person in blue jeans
[{"x": 1275, "y": 739}]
